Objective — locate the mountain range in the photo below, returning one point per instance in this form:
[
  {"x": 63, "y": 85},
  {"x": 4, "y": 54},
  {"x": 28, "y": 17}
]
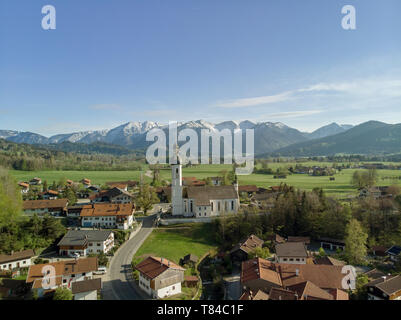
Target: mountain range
[
  {"x": 369, "y": 138},
  {"x": 269, "y": 136}
]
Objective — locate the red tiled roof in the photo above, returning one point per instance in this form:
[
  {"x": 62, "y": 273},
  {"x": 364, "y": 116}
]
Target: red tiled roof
[
  {"x": 42, "y": 204},
  {"x": 248, "y": 188},
  {"x": 107, "y": 209},
  {"x": 259, "y": 268},
  {"x": 67, "y": 267},
  {"x": 152, "y": 267}
]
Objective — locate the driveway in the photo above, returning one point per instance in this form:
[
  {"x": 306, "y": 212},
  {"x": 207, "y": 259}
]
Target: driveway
[{"x": 118, "y": 283}]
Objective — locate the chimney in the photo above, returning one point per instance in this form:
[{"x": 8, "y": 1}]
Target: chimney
[
  {"x": 297, "y": 272},
  {"x": 12, "y": 252},
  {"x": 384, "y": 278},
  {"x": 296, "y": 296}
]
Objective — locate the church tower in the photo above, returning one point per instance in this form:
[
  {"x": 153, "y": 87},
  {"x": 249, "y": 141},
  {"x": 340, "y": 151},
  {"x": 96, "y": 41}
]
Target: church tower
[{"x": 176, "y": 187}]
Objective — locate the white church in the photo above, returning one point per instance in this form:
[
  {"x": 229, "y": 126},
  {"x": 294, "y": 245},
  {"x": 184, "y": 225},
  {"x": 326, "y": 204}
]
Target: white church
[{"x": 203, "y": 201}]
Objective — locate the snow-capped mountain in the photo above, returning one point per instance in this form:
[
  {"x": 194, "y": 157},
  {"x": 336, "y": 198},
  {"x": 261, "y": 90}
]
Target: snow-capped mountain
[{"x": 269, "y": 136}]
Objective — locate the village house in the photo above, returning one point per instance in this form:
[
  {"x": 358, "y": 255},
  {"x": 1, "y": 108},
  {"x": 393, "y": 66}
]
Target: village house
[
  {"x": 329, "y": 261},
  {"x": 49, "y": 195},
  {"x": 16, "y": 260},
  {"x": 163, "y": 193},
  {"x": 159, "y": 277},
  {"x": 374, "y": 192},
  {"x": 107, "y": 215},
  {"x": 379, "y": 251},
  {"x": 276, "y": 239},
  {"x": 264, "y": 200},
  {"x": 120, "y": 185},
  {"x": 247, "y": 190},
  {"x": 125, "y": 185},
  {"x": 291, "y": 252},
  {"x": 85, "y": 242},
  {"x": 86, "y": 182},
  {"x": 374, "y": 274},
  {"x": 24, "y": 187},
  {"x": 74, "y": 211},
  {"x": 115, "y": 195},
  {"x": 332, "y": 244},
  {"x": 192, "y": 181},
  {"x": 292, "y": 281},
  {"x": 35, "y": 181},
  {"x": 87, "y": 289},
  {"x": 385, "y": 288},
  {"x": 50, "y": 276},
  {"x": 189, "y": 259},
  {"x": 305, "y": 240},
  {"x": 394, "y": 252},
  {"x": 240, "y": 251},
  {"x": 41, "y": 207}
]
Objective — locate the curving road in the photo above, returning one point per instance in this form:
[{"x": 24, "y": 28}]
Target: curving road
[{"x": 118, "y": 284}]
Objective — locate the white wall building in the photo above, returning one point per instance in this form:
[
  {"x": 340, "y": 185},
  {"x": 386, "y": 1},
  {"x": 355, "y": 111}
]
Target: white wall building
[
  {"x": 16, "y": 260},
  {"x": 159, "y": 277}
]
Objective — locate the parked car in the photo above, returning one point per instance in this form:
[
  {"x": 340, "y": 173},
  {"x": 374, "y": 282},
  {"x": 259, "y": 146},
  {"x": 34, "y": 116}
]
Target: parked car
[
  {"x": 100, "y": 270},
  {"x": 74, "y": 255}
]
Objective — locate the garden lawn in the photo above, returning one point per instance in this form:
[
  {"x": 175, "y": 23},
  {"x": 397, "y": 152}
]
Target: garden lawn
[{"x": 175, "y": 242}]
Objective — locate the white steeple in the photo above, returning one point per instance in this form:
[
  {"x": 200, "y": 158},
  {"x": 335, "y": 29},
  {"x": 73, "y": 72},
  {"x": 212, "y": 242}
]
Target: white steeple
[{"x": 176, "y": 185}]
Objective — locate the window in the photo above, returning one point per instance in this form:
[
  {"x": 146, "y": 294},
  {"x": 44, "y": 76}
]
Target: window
[
  {"x": 232, "y": 205},
  {"x": 218, "y": 206},
  {"x": 173, "y": 287},
  {"x": 291, "y": 259}
]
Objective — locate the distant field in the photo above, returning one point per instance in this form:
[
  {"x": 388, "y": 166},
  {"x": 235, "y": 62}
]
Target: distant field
[
  {"x": 175, "y": 242},
  {"x": 340, "y": 187},
  {"x": 97, "y": 177}
]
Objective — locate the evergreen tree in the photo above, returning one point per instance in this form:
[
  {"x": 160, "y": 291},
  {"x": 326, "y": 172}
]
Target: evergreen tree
[{"x": 355, "y": 243}]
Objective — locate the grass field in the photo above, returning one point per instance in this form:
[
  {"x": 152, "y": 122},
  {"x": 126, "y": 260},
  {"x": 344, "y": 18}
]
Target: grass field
[
  {"x": 173, "y": 243},
  {"x": 340, "y": 187},
  {"x": 97, "y": 177}
]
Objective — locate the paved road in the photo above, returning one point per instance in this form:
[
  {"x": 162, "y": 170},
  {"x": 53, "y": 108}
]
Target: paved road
[{"x": 118, "y": 283}]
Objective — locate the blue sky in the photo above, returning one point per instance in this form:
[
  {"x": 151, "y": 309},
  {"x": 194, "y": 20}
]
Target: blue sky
[{"x": 110, "y": 62}]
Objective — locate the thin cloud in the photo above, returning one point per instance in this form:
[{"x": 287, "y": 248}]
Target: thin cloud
[
  {"x": 359, "y": 89},
  {"x": 293, "y": 114},
  {"x": 256, "y": 101}
]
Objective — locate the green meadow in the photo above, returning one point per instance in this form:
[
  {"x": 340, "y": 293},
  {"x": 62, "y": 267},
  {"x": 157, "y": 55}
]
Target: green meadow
[
  {"x": 340, "y": 187},
  {"x": 187, "y": 238}
]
